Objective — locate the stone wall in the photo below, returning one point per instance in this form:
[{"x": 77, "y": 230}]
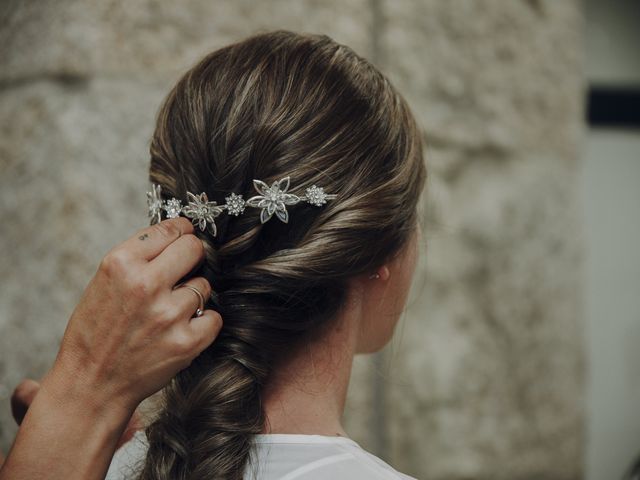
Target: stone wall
[{"x": 484, "y": 378}]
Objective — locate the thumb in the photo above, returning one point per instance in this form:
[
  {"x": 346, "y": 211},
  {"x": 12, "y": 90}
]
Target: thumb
[{"x": 22, "y": 397}]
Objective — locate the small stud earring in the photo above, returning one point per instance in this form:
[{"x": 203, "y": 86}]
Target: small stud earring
[{"x": 374, "y": 275}]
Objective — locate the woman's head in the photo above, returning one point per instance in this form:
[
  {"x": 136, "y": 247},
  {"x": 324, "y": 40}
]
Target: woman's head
[{"x": 273, "y": 105}]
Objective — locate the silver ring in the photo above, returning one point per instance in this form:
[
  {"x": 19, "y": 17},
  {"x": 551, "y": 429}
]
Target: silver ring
[{"x": 200, "y": 309}]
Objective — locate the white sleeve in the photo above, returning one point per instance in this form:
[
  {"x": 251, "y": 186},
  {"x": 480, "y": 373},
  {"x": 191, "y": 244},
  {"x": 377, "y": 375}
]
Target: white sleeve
[{"x": 128, "y": 458}]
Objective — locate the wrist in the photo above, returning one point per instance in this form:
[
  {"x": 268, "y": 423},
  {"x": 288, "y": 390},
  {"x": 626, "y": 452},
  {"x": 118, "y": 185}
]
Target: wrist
[
  {"x": 72, "y": 389},
  {"x": 68, "y": 432}
]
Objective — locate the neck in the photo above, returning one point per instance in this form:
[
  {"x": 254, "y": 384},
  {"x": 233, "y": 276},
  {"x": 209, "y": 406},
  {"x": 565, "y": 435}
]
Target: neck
[{"x": 307, "y": 394}]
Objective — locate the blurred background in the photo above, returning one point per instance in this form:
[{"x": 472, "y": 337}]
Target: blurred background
[{"x": 517, "y": 357}]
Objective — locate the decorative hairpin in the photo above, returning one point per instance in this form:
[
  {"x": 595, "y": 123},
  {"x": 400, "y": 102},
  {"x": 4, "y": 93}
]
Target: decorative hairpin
[{"x": 202, "y": 211}]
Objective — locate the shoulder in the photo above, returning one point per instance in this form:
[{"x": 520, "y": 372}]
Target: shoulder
[
  {"x": 373, "y": 465},
  {"x": 318, "y": 461},
  {"x": 309, "y": 459}
]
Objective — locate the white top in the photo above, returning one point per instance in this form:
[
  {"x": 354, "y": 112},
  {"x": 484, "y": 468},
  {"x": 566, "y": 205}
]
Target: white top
[{"x": 285, "y": 456}]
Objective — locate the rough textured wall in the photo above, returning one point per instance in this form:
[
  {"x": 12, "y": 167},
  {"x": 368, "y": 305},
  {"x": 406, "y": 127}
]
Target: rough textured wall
[{"x": 484, "y": 377}]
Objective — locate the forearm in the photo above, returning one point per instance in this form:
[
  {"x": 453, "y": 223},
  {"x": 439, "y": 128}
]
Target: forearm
[{"x": 66, "y": 434}]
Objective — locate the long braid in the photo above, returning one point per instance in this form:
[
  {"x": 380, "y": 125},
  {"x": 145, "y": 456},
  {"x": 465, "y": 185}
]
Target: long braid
[{"x": 210, "y": 411}]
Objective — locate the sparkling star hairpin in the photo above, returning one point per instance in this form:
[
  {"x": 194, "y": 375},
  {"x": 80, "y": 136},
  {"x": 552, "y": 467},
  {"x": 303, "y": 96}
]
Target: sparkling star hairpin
[{"x": 202, "y": 211}]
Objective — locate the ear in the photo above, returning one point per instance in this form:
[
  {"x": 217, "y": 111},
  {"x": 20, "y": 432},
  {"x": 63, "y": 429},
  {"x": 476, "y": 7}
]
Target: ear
[
  {"x": 366, "y": 278},
  {"x": 383, "y": 272}
]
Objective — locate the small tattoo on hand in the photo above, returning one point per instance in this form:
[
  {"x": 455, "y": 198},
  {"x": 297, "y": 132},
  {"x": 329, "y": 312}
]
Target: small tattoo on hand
[{"x": 143, "y": 236}]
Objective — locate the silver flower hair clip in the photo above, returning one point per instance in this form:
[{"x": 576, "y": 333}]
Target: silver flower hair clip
[{"x": 202, "y": 211}]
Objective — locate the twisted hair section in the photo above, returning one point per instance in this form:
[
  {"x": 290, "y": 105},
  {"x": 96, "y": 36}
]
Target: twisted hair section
[{"x": 274, "y": 104}]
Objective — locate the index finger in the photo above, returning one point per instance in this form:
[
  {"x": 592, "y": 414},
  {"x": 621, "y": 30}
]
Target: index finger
[{"x": 147, "y": 243}]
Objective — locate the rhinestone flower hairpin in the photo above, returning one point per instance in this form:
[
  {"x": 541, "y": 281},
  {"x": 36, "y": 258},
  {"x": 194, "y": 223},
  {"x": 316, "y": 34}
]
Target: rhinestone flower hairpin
[{"x": 202, "y": 211}]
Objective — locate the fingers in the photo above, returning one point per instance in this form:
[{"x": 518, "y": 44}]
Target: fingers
[
  {"x": 147, "y": 243},
  {"x": 176, "y": 260},
  {"x": 186, "y": 299},
  {"x": 190, "y": 335},
  {"x": 22, "y": 397},
  {"x": 186, "y": 340},
  {"x": 204, "y": 329}
]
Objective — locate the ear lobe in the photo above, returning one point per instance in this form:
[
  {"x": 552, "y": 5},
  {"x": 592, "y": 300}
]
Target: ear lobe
[{"x": 384, "y": 272}]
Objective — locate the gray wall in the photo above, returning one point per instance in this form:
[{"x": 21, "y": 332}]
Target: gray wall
[{"x": 485, "y": 376}]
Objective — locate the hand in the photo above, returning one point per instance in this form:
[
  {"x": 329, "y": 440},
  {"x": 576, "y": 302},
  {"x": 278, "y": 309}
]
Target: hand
[
  {"x": 26, "y": 391},
  {"x": 131, "y": 332}
]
